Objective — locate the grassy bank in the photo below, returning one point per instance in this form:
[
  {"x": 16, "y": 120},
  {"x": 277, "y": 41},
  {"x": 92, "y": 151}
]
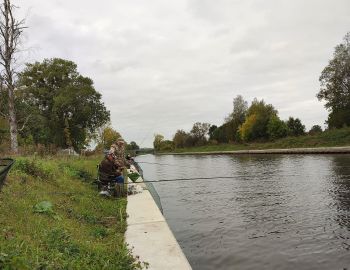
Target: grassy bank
[
  {"x": 331, "y": 138},
  {"x": 51, "y": 217}
]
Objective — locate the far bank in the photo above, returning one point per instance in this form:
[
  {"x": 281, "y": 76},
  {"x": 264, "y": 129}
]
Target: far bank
[{"x": 324, "y": 142}]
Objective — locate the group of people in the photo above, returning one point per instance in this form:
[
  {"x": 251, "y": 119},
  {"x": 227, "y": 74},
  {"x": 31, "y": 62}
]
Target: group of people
[{"x": 112, "y": 166}]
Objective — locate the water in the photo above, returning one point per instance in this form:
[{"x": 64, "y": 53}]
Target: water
[{"x": 277, "y": 211}]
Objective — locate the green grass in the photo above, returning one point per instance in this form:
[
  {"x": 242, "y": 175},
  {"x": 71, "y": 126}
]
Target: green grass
[
  {"x": 81, "y": 231},
  {"x": 330, "y": 138}
]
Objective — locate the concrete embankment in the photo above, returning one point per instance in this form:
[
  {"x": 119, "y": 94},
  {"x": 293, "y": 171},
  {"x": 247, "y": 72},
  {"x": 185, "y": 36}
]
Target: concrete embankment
[
  {"x": 318, "y": 150},
  {"x": 149, "y": 235}
]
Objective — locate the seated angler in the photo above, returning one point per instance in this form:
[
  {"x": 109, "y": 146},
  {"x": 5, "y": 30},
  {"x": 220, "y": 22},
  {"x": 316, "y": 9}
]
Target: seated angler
[{"x": 109, "y": 172}]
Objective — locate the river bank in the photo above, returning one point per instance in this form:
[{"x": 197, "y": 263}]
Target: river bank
[
  {"x": 51, "y": 217},
  {"x": 319, "y": 150},
  {"x": 149, "y": 235},
  {"x": 327, "y": 139}
]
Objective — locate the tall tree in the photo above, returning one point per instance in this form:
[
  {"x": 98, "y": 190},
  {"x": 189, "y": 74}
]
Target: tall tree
[
  {"x": 240, "y": 107},
  {"x": 158, "y": 139},
  {"x": 335, "y": 85},
  {"x": 180, "y": 139},
  {"x": 256, "y": 124},
  {"x": 107, "y": 137},
  {"x": 11, "y": 31},
  {"x": 199, "y": 132},
  {"x": 68, "y": 105},
  {"x": 295, "y": 127}
]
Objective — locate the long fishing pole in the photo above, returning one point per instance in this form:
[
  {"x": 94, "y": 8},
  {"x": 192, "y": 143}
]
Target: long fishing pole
[
  {"x": 167, "y": 164},
  {"x": 189, "y": 179}
]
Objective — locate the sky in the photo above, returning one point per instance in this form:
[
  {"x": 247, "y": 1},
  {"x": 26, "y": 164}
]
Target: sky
[{"x": 163, "y": 65}]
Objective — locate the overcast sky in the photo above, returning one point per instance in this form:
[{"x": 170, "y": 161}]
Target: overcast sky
[{"x": 163, "y": 65}]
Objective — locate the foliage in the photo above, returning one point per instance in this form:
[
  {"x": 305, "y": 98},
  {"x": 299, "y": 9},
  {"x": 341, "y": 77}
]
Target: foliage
[
  {"x": 89, "y": 234},
  {"x": 276, "y": 128},
  {"x": 246, "y": 130},
  {"x": 295, "y": 127},
  {"x": 226, "y": 132},
  {"x": 43, "y": 207},
  {"x": 132, "y": 146},
  {"x": 199, "y": 132},
  {"x": 107, "y": 137},
  {"x": 240, "y": 107},
  {"x": 255, "y": 125},
  {"x": 335, "y": 85},
  {"x": 329, "y": 138},
  {"x": 65, "y": 107},
  {"x": 158, "y": 138},
  {"x": 212, "y": 130},
  {"x": 316, "y": 129},
  {"x": 166, "y": 145},
  {"x": 4, "y": 129},
  {"x": 33, "y": 167},
  {"x": 181, "y": 139}
]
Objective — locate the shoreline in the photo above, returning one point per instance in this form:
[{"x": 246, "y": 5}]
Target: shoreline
[
  {"x": 149, "y": 235},
  {"x": 316, "y": 150}
]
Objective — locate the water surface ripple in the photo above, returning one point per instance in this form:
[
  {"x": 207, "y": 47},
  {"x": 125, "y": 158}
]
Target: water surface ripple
[{"x": 277, "y": 211}]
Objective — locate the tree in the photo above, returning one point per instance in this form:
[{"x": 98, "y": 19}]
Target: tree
[
  {"x": 240, "y": 107},
  {"x": 316, "y": 129},
  {"x": 166, "y": 145},
  {"x": 335, "y": 85},
  {"x": 259, "y": 114},
  {"x": 276, "y": 128},
  {"x": 132, "y": 146},
  {"x": 211, "y": 131},
  {"x": 158, "y": 138},
  {"x": 107, "y": 137},
  {"x": 68, "y": 105},
  {"x": 199, "y": 132},
  {"x": 11, "y": 31},
  {"x": 295, "y": 127},
  {"x": 180, "y": 139},
  {"x": 246, "y": 130}
]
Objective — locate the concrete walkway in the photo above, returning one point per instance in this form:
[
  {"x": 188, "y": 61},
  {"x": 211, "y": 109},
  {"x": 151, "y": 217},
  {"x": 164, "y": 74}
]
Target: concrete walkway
[
  {"x": 318, "y": 150},
  {"x": 150, "y": 237}
]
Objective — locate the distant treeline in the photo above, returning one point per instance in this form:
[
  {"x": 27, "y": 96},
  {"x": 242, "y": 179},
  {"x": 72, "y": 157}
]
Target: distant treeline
[{"x": 260, "y": 121}]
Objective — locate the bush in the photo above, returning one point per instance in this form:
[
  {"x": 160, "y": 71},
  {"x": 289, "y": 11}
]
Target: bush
[
  {"x": 276, "y": 128},
  {"x": 34, "y": 168}
]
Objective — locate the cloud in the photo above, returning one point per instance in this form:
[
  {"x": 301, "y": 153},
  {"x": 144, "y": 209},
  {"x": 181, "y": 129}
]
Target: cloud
[{"x": 164, "y": 65}]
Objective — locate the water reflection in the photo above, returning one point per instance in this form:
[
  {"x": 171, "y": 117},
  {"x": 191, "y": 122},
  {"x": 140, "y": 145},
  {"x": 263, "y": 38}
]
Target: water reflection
[
  {"x": 277, "y": 211},
  {"x": 340, "y": 190}
]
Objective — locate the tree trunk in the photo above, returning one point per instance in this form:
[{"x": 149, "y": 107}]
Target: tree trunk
[
  {"x": 10, "y": 32},
  {"x": 13, "y": 122}
]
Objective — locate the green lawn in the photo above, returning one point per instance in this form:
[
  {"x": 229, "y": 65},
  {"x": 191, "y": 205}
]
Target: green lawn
[
  {"x": 331, "y": 138},
  {"x": 81, "y": 231}
]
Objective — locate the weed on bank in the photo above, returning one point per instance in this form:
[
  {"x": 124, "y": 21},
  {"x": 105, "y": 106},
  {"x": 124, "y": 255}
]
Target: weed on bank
[{"x": 51, "y": 217}]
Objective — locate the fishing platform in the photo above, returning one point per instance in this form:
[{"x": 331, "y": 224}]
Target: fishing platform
[{"x": 148, "y": 233}]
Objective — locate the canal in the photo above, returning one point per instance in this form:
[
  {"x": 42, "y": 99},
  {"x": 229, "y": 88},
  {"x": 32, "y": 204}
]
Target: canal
[{"x": 276, "y": 212}]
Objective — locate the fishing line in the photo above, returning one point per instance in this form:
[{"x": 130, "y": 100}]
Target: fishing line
[
  {"x": 167, "y": 164},
  {"x": 186, "y": 179}
]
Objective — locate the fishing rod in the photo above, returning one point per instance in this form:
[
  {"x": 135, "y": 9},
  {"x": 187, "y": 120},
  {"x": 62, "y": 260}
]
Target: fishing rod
[
  {"x": 167, "y": 164},
  {"x": 189, "y": 179}
]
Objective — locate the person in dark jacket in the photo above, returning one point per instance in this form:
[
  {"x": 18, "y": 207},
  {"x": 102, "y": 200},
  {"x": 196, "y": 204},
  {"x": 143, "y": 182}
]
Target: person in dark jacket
[{"x": 110, "y": 171}]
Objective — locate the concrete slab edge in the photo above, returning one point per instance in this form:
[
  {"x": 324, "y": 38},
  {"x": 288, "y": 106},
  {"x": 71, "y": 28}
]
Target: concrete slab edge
[{"x": 150, "y": 237}]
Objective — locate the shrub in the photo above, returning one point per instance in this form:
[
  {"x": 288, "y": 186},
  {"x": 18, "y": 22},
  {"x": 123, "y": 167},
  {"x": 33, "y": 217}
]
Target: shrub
[
  {"x": 276, "y": 128},
  {"x": 34, "y": 168}
]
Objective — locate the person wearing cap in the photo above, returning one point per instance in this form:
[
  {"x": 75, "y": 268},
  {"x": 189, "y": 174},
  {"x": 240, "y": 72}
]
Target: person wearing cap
[{"x": 120, "y": 152}]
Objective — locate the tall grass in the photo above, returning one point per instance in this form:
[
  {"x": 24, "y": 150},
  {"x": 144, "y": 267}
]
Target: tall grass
[{"x": 83, "y": 230}]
